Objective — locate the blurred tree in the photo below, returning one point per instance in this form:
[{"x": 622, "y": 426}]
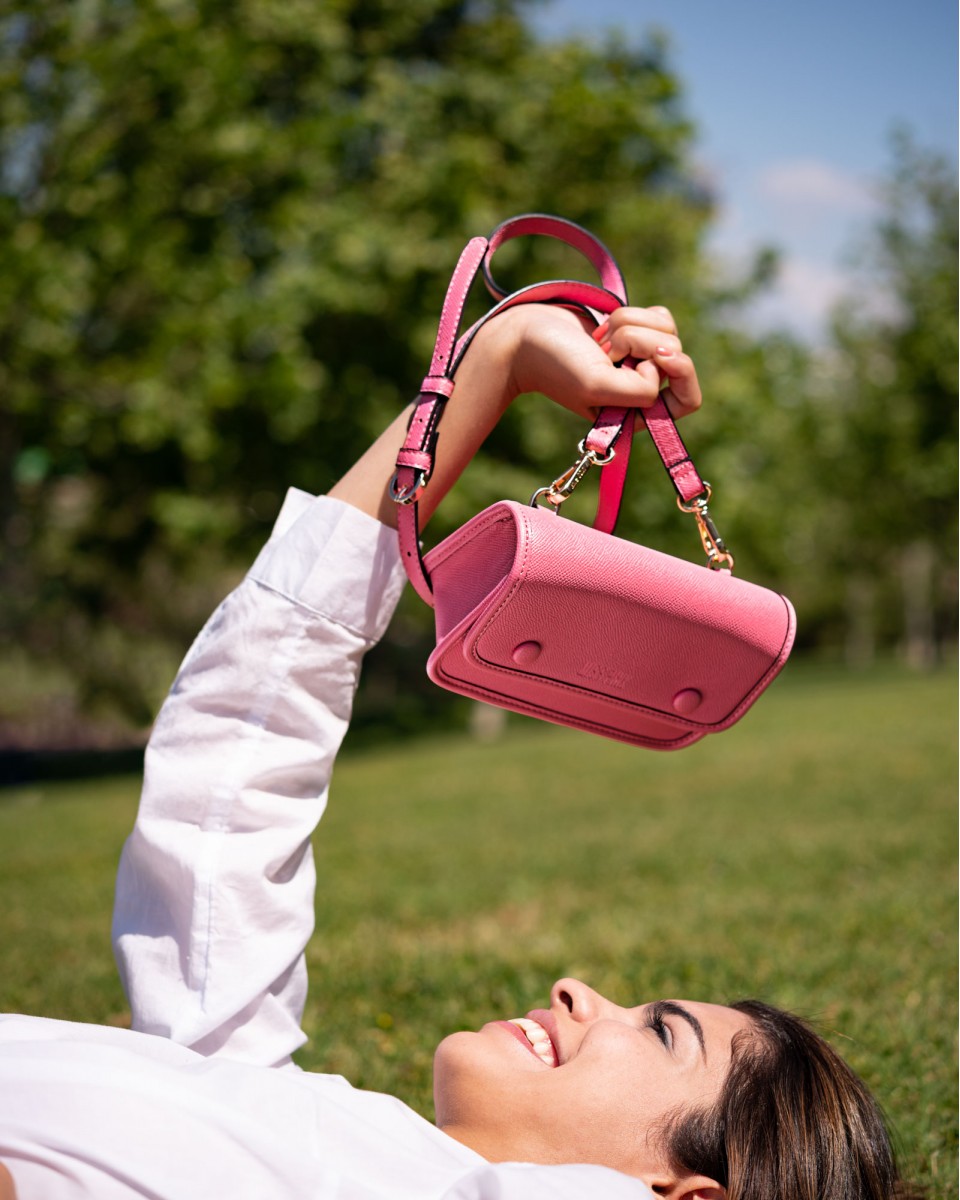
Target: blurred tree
[
  {"x": 228, "y": 226},
  {"x": 887, "y": 432}
]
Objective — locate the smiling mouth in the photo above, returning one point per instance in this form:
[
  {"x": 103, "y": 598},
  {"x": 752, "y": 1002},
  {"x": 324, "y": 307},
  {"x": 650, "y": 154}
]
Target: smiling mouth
[{"x": 537, "y": 1039}]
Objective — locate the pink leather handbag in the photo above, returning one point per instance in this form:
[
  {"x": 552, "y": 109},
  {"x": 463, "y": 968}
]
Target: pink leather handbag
[{"x": 565, "y": 622}]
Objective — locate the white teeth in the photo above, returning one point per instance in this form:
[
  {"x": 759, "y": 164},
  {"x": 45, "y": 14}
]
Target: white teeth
[
  {"x": 526, "y": 1024},
  {"x": 538, "y": 1038}
]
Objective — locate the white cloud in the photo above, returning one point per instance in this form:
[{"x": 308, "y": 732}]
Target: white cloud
[
  {"x": 810, "y": 182},
  {"x": 801, "y": 298},
  {"x": 812, "y": 212},
  {"x": 805, "y": 294},
  {"x": 810, "y": 288}
]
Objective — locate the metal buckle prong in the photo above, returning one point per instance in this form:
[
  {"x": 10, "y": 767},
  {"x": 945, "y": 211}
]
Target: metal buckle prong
[{"x": 408, "y": 495}]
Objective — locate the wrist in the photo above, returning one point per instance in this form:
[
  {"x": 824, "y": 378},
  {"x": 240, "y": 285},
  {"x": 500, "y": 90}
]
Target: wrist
[{"x": 492, "y": 361}]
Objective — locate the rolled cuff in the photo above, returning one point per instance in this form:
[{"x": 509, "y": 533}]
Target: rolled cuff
[{"x": 334, "y": 560}]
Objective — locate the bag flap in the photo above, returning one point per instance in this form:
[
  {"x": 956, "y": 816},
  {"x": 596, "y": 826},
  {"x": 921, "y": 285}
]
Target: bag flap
[{"x": 617, "y": 623}]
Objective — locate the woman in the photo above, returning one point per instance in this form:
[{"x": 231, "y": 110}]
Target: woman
[{"x": 215, "y": 906}]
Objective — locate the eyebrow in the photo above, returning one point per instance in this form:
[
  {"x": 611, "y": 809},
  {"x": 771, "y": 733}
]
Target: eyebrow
[{"x": 669, "y": 1008}]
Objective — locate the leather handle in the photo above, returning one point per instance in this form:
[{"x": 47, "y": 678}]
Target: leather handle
[
  {"x": 416, "y": 456},
  {"x": 614, "y": 426},
  {"x": 663, "y": 431},
  {"x": 570, "y": 233}
]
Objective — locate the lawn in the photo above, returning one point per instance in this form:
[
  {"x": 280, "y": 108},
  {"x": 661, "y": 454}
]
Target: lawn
[{"x": 806, "y": 857}]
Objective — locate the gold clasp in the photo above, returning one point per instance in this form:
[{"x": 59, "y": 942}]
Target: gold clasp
[
  {"x": 718, "y": 556},
  {"x": 564, "y": 485}
]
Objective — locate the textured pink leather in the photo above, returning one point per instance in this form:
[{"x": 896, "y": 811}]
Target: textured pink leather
[
  {"x": 605, "y": 430},
  {"x": 415, "y": 459},
  {"x": 663, "y": 654},
  {"x": 673, "y": 452},
  {"x": 561, "y": 621},
  {"x": 451, "y": 314},
  {"x": 437, "y": 385},
  {"x": 665, "y": 436},
  {"x": 614, "y": 475},
  {"x": 419, "y": 460},
  {"x": 565, "y": 231},
  {"x": 416, "y": 453}
]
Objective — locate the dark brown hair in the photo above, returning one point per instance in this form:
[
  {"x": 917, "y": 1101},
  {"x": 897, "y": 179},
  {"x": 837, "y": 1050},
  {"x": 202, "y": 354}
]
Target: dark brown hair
[{"x": 793, "y": 1122}]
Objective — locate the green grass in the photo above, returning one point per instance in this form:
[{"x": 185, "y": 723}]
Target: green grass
[{"x": 806, "y": 857}]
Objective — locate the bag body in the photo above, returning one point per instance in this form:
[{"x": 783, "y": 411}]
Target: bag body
[{"x": 557, "y": 620}]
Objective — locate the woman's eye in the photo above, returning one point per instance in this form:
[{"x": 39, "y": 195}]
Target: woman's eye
[{"x": 662, "y": 1031}]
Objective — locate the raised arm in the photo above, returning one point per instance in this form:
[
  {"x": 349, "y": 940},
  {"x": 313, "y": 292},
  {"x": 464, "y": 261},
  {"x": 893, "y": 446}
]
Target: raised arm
[
  {"x": 534, "y": 349},
  {"x": 216, "y": 884}
]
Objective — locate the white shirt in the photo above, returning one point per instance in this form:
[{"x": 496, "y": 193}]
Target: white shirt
[{"x": 215, "y": 892}]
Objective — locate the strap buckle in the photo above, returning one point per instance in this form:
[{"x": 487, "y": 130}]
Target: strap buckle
[
  {"x": 411, "y": 494},
  {"x": 564, "y": 485},
  {"x": 719, "y": 557}
]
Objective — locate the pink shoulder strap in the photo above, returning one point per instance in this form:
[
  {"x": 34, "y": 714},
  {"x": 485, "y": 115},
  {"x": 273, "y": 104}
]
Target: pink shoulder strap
[{"x": 613, "y": 427}]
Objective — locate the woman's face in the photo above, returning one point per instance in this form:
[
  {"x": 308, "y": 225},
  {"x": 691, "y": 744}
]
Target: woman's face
[{"x": 584, "y": 1081}]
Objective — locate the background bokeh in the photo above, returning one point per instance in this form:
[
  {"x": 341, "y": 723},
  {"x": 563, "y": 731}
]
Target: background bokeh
[
  {"x": 227, "y": 231},
  {"x": 794, "y": 107}
]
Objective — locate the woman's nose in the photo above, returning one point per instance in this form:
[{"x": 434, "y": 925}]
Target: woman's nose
[{"x": 576, "y": 998}]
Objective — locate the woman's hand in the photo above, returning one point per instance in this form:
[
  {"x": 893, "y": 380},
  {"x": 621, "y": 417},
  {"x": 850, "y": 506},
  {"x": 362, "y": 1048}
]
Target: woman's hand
[
  {"x": 534, "y": 348},
  {"x": 551, "y": 355}
]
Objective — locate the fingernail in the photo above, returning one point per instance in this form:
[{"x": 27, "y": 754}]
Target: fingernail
[
  {"x": 605, "y": 347},
  {"x": 663, "y": 352},
  {"x": 600, "y": 331}
]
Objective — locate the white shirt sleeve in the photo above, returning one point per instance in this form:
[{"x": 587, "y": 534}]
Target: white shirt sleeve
[
  {"x": 215, "y": 890},
  {"x": 214, "y": 908}
]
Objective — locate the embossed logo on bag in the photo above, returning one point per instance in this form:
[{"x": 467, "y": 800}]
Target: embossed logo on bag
[{"x": 600, "y": 673}]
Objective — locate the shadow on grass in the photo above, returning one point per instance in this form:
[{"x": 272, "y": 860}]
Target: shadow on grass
[{"x": 18, "y": 767}]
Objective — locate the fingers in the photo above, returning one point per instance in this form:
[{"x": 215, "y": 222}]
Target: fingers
[
  {"x": 552, "y": 352},
  {"x": 682, "y": 394},
  {"x": 649, "y": 335},
  {"x": 622, "y": 320}
]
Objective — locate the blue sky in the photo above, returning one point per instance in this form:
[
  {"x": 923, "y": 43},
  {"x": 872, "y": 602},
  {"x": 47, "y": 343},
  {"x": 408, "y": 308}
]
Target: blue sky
[{"x": 794, "y": 105}]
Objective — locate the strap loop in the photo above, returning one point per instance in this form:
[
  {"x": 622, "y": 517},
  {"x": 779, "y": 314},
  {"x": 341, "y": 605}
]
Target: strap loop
[
  {"x": 613, "y": 427},
  {"x": 564, "y": 231}
]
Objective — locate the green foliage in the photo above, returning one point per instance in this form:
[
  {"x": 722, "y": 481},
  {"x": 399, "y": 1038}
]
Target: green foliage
[
  {"x": 886, "y": 430},
  {"x": 229, "y": 227},
  {"x": 810, "y": 861},
  {"x": 898, "y": 375}
]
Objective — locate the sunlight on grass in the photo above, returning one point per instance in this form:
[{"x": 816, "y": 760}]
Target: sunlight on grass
[{"x": 806, "y": 857}]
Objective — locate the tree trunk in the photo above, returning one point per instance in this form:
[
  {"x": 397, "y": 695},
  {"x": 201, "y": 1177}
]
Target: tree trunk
[
  {"x": 917, "y": 565},
  {"x": 860, "y": 647}
]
